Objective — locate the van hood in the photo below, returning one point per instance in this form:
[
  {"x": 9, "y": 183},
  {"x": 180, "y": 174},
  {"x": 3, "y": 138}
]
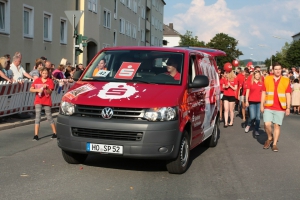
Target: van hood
[{"x": 118, "y": 94}]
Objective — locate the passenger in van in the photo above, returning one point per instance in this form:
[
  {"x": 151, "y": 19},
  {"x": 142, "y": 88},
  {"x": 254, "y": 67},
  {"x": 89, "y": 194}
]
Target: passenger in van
[
  {"x": 101, "y": 66},
  {"x": 172, "y": 65}
]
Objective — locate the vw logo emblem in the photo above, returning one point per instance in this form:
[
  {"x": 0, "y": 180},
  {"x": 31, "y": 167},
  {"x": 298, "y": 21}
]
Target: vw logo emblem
[{"x": 107, "y": 113}]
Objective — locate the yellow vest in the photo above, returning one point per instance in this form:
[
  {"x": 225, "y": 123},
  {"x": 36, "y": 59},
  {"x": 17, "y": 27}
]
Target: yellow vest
[{"x": 270, "y": 88}]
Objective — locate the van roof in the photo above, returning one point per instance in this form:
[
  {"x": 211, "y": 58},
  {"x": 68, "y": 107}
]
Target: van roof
[{"x": 212, "y": 52}]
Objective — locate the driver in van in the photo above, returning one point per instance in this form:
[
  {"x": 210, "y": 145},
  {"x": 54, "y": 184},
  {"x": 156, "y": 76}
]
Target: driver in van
[
  {"x": 101, "y": 66},
  {"x": 172, "y": 65}
]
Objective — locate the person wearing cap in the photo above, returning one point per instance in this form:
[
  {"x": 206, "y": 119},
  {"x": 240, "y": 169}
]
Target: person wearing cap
[
  {"x": 172, "y": 65},
  {"x": 275, "y": 103},
  {"x": 230, "y": 87}
]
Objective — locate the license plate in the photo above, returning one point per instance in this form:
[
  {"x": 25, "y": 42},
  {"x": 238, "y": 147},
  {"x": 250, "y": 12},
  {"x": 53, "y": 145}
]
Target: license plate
[{"x": 104, "y": 148}]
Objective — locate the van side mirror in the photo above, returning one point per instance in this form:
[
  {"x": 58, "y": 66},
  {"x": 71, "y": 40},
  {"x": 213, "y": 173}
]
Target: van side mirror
[
  {"x": 77, "y": 75},
  {"x": 199, "y": 82}
]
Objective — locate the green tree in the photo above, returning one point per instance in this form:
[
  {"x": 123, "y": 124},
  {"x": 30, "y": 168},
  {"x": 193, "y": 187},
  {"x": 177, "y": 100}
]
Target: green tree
[
  {"x": 227, "y": 44},
  {"x": 188, "y": 40},
  {"x": 293, "y": 54}
]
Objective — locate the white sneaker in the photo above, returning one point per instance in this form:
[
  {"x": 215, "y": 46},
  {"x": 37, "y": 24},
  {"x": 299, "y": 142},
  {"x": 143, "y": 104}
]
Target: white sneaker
[
  {"x": 247, "y": 129},
  {"x": 256, "y": 133}
]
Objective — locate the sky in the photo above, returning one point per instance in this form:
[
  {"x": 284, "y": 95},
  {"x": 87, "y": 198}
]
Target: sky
[{"x": 261, "y": 26}]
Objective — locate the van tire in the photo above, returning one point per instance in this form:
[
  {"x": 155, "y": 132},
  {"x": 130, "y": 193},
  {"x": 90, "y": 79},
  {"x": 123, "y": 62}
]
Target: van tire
[
  {"x": 73, "y": 158},
  {"x": 212, "y": 141},
  {"x": 181, "y": 163}
]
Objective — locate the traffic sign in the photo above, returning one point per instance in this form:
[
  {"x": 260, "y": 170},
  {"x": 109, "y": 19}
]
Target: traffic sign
[{"x": 70, "y": 15}]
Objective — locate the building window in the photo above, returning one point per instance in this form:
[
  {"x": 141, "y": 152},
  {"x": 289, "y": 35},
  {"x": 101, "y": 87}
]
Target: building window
[
  {"x": 4, "y": 16},
  {"x": 63, "y": 31},
  {"x": 122, "y": 26},
  {"x": 28, "y": 25},
  {"x": 106, "y": 18},
  {"x": 92, "y": 5},
  {"x": 143, "y": 35},
  {"x": 116, "y": 9},
  {"x": 128, "y": 3},
  {"x": 134, "y": 6},
  {"x": 115, "y": 39},
  {"x": 143, "y": 13},
  {"x": 47, "y": 26},
  {"x": 134, "y": 31}
]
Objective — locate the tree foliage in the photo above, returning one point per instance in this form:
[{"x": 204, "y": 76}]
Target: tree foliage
[
  {"x": 227, "y": 44},
  {"x": 293, "y": 54},
  {"x": 188, "y": 40}
]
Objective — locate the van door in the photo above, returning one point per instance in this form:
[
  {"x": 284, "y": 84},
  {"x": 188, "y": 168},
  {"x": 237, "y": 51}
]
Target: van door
[
  {"x": 196, "y": 104},
  {"x": 207, "y": 69}
]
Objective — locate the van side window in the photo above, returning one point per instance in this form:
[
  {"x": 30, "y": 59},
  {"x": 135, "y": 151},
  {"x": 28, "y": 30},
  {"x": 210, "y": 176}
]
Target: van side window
[{"x": 192, "y": 71}]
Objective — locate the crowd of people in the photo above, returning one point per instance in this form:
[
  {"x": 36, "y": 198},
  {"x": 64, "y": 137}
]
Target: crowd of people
[
  {"x": 12, "y": 71},
  {"x": 43, "y": 75},
  {"x": 252, "y": 92}
]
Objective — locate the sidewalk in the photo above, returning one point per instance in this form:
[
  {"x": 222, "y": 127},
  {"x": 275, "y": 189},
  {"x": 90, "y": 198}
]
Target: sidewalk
[{"x": 16, "y": 122}]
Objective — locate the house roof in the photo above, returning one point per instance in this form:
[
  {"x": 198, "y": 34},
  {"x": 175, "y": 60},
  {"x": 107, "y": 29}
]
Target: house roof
[
  {"x": 296, "y": 34},
  {"x": 168, "y": 30}
]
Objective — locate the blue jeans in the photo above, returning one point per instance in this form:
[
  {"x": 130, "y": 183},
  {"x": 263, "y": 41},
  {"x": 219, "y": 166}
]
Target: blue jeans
[{"x": 254, "y": 110}]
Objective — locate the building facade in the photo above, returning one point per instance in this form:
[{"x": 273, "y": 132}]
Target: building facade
[
  {"x": 296, "y": 37},
  {"x": 41, "y": 28},
  {"x": 35, "y": 28},
  {"x": 109, "y": 23},
  {"x": 171, "y": 36}
]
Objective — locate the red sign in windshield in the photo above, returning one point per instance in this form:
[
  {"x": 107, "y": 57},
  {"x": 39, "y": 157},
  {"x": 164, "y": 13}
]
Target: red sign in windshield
[{"x": 127, "y": 70}]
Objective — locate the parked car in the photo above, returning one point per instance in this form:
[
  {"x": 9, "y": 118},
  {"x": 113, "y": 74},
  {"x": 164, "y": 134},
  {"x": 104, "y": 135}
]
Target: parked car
[{"x": 142, "y": 102}]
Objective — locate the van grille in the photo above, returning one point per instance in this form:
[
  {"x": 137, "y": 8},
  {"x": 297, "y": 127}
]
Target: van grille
[
  {"x": 107, "y": 134},
  {"x": 119, "y": 113}
]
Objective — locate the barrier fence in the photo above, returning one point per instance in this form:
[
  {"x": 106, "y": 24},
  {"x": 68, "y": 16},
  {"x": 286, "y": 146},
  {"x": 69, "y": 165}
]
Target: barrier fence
[{"x": 16, "y": 97}]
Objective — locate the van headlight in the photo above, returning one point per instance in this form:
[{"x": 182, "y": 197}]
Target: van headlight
[
  {"x": 161, "y": 114},
  {"x": 67, "y": 108}
]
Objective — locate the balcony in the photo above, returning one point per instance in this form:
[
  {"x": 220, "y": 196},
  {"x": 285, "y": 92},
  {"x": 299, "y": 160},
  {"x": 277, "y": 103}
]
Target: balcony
[{"x": 149, "y": 4}]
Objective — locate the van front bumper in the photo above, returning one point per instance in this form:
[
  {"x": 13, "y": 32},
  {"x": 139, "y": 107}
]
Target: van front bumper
[{"x": 160, "y": 140}]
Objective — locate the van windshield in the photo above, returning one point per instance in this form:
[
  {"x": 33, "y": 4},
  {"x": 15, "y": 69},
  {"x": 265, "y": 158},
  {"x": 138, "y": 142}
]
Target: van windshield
[{"x": 146, "y": 66}]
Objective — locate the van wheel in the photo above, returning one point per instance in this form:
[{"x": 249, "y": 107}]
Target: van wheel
[
  {"x": 73, "y": 158},
  {"x": 180, "y": 164},
  {"x": 212, "y": 141}
]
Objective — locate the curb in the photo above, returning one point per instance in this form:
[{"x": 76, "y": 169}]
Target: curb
[{"x": 18, "y": 123}]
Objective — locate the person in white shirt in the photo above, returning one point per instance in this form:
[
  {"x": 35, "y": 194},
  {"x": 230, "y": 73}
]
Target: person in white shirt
[{"x": 17, "y": 69}]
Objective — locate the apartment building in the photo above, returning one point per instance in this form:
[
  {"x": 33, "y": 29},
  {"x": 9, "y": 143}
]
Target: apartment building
[
  {"x": 109, "y": 23},
  {"x": 40, "y": 28},
  {"x": 36, "y": 28}
]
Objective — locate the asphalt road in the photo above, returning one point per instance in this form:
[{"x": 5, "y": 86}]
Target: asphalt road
[{"x": 238, "y": 168}]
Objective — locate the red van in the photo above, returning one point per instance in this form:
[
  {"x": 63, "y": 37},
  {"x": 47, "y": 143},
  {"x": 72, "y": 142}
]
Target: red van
[{"x": 142, "y": 102}]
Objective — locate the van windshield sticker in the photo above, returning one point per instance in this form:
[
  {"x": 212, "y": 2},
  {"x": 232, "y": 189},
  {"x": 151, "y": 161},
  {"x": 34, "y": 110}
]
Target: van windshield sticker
[
  {"x": 117, "y": 91},
  {"x": 102, "y": 73},
  {"x": 127, "y": 70}
]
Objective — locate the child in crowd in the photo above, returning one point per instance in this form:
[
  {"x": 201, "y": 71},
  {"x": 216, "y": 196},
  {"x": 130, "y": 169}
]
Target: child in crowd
[{"x": 43, "y": 87}]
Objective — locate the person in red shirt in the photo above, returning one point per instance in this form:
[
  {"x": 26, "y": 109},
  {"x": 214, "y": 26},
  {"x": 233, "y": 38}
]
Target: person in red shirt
[
  {"x": 172, "y": 65},
  {"x": 243, "y": 88},
  {"x": 43, "y": 87},
  {"x": 222, "y": 79},
  {"x": 274, "y": 108},
  {"x": 240, "y": 79},
  {"x": 229, "y": 86},
  {"x": 253, "y": 97}
]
